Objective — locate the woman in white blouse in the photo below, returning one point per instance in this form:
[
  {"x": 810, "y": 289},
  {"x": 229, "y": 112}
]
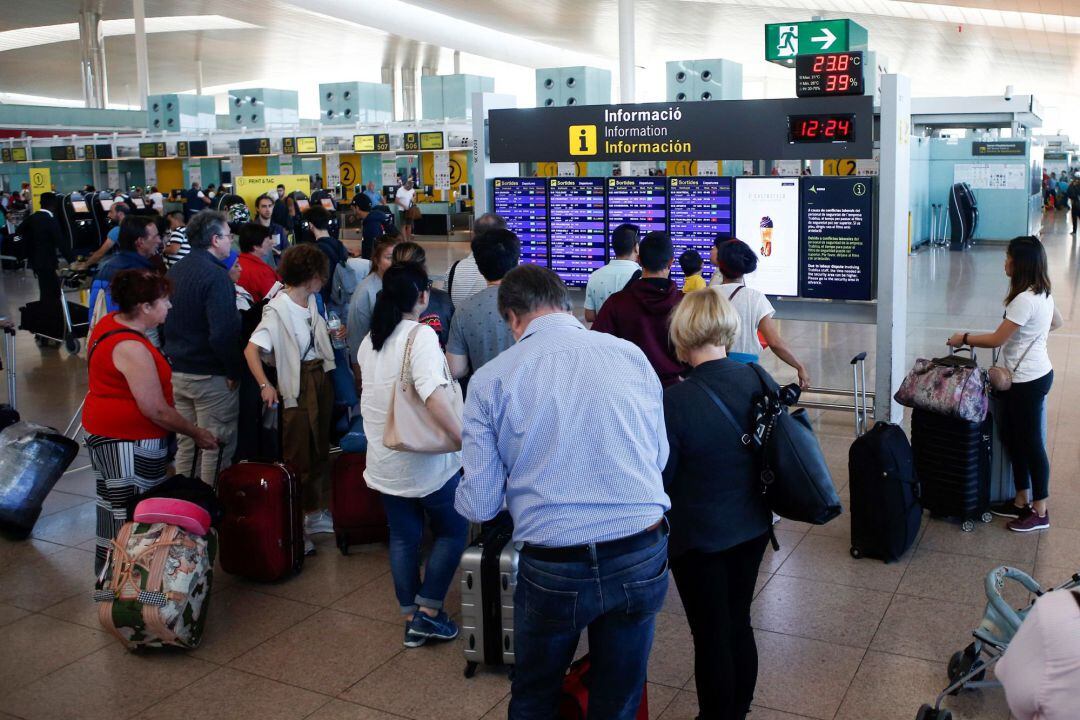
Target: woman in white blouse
[{"x": 414, "y": 485}]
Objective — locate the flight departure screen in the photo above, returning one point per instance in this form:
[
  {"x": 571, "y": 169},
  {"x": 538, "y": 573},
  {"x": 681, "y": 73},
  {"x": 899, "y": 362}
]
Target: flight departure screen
[
  {"x": 640, "y": 201},
  {"x": 699, "y": 209},
  {"x": 522, "y": 202},
  {"x": 578, "y": 237}
]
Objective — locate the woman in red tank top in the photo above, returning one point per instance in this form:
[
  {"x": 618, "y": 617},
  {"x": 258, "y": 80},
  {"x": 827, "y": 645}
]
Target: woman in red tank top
[{"x": 129, "y": 411}]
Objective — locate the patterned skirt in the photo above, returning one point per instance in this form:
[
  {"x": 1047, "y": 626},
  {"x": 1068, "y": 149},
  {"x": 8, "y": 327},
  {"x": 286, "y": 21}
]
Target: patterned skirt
[{"x": 123, "y": 470}]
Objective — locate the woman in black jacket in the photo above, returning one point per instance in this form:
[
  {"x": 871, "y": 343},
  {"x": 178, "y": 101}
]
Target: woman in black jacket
[{"x": 719, "y": 520}]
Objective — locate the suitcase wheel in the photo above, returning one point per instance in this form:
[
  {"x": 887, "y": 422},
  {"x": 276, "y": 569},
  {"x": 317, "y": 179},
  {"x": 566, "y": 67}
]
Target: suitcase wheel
[
  {"x": 856, "y": 552},
  {"x": 987, "y": 517},
  {"x": 470, "y": 669},
  {"x": 928, "y": 713},
  {"x": 72, "y": 345},
  {"x": 968, "y": 526}
]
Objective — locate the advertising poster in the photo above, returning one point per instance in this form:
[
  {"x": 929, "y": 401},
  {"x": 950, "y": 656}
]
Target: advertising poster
[
  {"x": 838, "y": 234},
  {"x": 251, "y": 187},
  {"x": 767, "y": 219}
]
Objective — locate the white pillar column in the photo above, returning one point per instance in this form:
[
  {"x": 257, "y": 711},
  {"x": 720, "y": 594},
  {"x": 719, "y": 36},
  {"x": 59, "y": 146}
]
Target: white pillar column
[
  {"x": 892, "y": 296},
  {"x": 142, "y": 69},
  {"x": 627, "y": 88}
]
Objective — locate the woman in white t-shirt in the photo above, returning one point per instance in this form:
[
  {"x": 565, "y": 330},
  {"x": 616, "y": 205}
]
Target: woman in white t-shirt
[
  {"x": 1030, "y": 316},
  {"x": 293, "y": 337},
  {"x": 414, "y": 485},
  {"x": 733, "y": 259}
]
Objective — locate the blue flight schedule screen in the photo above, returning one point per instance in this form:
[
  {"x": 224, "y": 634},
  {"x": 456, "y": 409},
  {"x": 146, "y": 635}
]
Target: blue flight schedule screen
[
  {"x": 522, "y": 202},
  {"x": 699, "y": 209},
  {"x": 640, "y": 201},
  {"x": 577, "y": 227}
]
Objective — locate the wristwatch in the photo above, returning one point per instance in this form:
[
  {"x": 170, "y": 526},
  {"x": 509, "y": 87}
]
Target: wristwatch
[
  {"x": 265, "y": 385},
  {"x": 966, "y": 338}
]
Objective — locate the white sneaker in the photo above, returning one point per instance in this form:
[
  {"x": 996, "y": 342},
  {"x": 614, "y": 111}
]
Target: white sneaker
[
  {"x": 776, "y": 518},
  {"x": 317, "y": 522},
  {"x": 309, "y": 546}
]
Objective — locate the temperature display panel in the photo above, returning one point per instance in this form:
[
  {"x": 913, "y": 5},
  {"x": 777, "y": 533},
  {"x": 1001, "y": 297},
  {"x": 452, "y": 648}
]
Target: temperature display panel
[
  {"x": 828, "y": 128},
  {"x": 828, "y": 74}
]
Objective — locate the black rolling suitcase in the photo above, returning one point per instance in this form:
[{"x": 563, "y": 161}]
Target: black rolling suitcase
[
  {"x": 952, "y": 462},
  {"x": 32, "y": 459},
  {"x": 885, "y": 510},
  {"x": 488, "y": 579}
]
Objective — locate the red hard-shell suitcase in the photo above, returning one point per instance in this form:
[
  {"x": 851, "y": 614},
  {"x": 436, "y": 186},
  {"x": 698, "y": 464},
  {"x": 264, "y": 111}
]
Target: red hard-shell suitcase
[
  {"x": 574, "y": 703},
  {"x": 262, "y": 535},
  {"x": 357, "y": 509}
]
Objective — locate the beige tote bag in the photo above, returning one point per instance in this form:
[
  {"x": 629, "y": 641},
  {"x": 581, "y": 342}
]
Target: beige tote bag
[{"x": 409, "y": 424}]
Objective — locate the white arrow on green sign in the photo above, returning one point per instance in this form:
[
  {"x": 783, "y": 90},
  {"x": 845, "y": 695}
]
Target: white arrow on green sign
[{"x": 785, "y": 41}]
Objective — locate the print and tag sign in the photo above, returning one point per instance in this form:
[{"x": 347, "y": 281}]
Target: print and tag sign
[
  {"x": 40, "y": 182},
  {"x": 784, "y": 129},
  {"x": 837, "y": 237}
]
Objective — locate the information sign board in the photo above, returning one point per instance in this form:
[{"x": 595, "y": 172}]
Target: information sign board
[
  {"x": 410, "y": 141},
  {"x": 192, "y": 148},
  {"x": 1006, "y": 148},
  {"x": 837, "y": 238},
  {"x": 828, "y": 74},
  {"x": 62, "y": 152},
  {"x": 253, "y": 146},
  {"x": 431, "y": 140},
  {"x": 379, "y": 142}
]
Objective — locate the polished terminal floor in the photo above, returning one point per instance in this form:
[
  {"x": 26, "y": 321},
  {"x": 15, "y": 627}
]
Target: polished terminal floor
[{"x": 837, "y": 638}]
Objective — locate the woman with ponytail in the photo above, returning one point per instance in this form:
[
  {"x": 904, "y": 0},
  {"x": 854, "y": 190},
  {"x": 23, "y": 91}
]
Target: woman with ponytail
[{"x": 414, "y": 486}]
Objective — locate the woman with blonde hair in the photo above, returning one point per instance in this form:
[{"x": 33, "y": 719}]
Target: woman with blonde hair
[{"x": 719, "y": 520}]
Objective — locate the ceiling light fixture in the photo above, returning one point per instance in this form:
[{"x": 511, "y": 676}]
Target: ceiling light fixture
[{"x": 69, "y": 32}]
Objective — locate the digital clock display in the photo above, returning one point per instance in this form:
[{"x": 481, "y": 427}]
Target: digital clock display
[
  {"x": 821, "y": 128},
  {"x": 829, "y": 74}
]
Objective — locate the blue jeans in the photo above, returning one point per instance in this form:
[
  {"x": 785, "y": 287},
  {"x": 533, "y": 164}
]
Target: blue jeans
[
  {"x": 406, "y": 519},
  {"x": 1025, "y": 434},
  {"x": 616, "y": 597}
]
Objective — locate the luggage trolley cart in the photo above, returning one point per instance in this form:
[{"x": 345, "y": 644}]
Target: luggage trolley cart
[
  {"x": 73, "y": 325},
  {"x": 1000, "y": 622}
]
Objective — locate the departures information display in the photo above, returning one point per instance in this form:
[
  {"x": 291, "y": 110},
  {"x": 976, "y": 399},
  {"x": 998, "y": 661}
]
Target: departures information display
[
  {"x": 522, "y": 202},
  {"x": 578, "y": 230},
  {"x": 837, "y": 235},
  {"x": 640, "y": 201},
  {"x": 699, "y": 209}
]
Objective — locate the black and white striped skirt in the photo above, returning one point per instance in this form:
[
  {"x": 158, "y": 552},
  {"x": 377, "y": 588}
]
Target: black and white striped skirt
[{"x": 123, "y": 469}]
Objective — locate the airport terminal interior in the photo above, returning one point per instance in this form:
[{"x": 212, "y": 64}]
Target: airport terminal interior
[{"x": 877, "y": 158}]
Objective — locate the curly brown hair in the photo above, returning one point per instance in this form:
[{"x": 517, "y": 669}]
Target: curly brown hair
[
  {"x": 302, "y": 263},
  {"x": 131, "y": 288}
]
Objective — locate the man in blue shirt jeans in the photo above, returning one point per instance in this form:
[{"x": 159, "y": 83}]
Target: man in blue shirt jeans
[{"x": 566, "y": 428}]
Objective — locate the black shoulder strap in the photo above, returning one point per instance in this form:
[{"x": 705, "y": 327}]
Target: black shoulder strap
[
  {"x": 635, "y": 276},
  {"x": 722, "y": 406},
  {"x": 450, "y": 277},
  {"x": 732, "y": 295},
  {"x": 761, "y": 378},
  {"x": 117, "y": 331}
]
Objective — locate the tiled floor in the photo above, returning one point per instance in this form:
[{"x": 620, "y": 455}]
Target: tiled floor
[{"x": 837, "y": 638}]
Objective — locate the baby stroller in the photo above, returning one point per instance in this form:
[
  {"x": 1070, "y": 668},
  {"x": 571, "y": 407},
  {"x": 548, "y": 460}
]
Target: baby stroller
[{"x": 967, "y": 667}]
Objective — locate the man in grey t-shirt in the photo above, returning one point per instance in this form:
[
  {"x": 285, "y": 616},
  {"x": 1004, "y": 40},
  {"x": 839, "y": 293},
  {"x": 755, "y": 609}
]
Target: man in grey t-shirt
[{"x": 478, "y": 332}]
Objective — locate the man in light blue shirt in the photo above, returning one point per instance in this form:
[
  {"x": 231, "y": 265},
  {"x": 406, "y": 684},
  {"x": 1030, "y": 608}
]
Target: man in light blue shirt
[
  {"x": 567, "y": 429},
  {"x": 614, "y": 276}
]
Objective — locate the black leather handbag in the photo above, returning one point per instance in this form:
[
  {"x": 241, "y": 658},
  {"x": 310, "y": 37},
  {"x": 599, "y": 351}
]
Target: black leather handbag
[{"x": 795, "y": 478}]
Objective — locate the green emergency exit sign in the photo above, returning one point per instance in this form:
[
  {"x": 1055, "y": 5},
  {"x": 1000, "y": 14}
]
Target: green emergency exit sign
[{"x": 785, "y": 41}]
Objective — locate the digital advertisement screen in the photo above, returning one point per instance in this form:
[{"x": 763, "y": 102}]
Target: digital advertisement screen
[
  {"x": 837, "y": 232},
  {"x": 431, "y": 141},
  {"x": 699, "y": 209},
  {"x": 79, "y": 206},
  {"x": 767, "y": 219},
  {"x": 578, "y": 231},
  {"x": 522, "y": 202},
  {"x": 640, "y": 201}
]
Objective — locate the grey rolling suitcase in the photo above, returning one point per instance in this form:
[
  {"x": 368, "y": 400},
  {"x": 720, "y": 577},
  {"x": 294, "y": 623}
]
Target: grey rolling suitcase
[
  {"x": 482, "y": 597},
  {"x": 508, "y": 568},
  {"x": 1002, "y": 487}
]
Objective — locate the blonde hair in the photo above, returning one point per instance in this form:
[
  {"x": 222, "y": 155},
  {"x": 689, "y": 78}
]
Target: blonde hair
[{"x": 703, "y": 318}]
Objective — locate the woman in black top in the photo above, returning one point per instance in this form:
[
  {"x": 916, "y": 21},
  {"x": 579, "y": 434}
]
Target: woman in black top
[{"x": 719, "y": 520}]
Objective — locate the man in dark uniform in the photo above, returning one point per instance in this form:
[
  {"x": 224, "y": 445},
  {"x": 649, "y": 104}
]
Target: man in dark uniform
[{"x": 44, "y": 240}]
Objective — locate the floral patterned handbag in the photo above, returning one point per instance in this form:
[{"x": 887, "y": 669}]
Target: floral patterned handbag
[{"x": 954, "y": 386}]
